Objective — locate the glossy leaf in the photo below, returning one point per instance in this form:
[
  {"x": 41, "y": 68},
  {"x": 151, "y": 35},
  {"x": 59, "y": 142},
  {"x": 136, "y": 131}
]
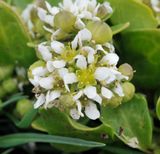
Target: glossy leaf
[
  {"x": 137, "y": 14},
  {"x": 23, "y": 138},
  {"x": 14, "y": 38},
  {"x": 158, "y": 108},
  {"x": 131, "y": 122},
  {"x": 56, "y": 122},
  {"x": 141, "y": 49}
]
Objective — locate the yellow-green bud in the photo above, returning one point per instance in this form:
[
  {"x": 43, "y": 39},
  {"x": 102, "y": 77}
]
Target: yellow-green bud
[
  {"x": 23, "y": 106},
  {"x": 126, "y": 70},
  {"x": 113, "y": 102},
  {"x": 101, "y": 32},
  {"x": 9, "y": 85},
  {"x": 102, "y": 12},
  {"x": 67, "y": 101},
  {"x": 65, "y": 20},
  {"x": 128, "y": 90},
  {"x": 38, "y": 63},
  {"x": 5, "y": 71}
]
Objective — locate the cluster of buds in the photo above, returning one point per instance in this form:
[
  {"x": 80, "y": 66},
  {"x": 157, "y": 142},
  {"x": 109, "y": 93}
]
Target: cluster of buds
[{"x": 77, "y": 70}]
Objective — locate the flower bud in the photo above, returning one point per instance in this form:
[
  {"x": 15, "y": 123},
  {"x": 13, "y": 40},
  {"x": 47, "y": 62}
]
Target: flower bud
[
  {"x": 113, "y": 102},
  {"x": 126, "y": 70},
  {"x": 66, "y": 101},
  {"x": 9, "y": 85},
  {"x": 101, "y": 32},
  {"x": 65, "y": 21},
  {"x": 128, "y": 90},
  {"x": 23, "y": 106},
  {"x": 5, "y": 71}
]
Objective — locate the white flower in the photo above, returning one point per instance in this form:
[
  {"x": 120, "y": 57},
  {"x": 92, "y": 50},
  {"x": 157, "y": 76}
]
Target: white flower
[
  {"x": 156, "y": 5},
  {"x": 57, "y": 47},
  {"x": 39, "y": 71},
  {"x": 40, "y": 101},
  {"x": 118, "y": 90},
  {"x": 83, "y": 35},
  {"x": 47, "y": 82},
  {"x": 106, "y": 93}
]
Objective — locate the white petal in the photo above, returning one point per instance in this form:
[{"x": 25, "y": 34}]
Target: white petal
[
  {"x": 52, "y": 10},
  {"x": 59, "y": 63},
  {"x": 110, "y": 58},
  {"x": 78, "y": 95},
  {"x": 108, "y": 7},
  {"x": 50, "y": 66},
  {"x": 118, "y": 90},
  {"x": 62, "y": 72},
  {"x": 42, "y": 14},
  {"x": 79, "y": 106},
  {"x": 74, "y": 43},
  {"x": 44, "y": 51},
  {"x": 106, "y": 93},
  {"x": 40, "y": 101},
  {"x": 79, "y": 24},
  {"x": 74, "y": 114},
  {"x": 35, "y": 81},
  {"x": 85, "y": 35},
  {"x": 57, "y": 47},
  {"x": 49, "y": 19},
  {"x": 110, "y": 47},
  {"x": 39, "y": 71},
  {"x": 90, "y": 58},
  {"x": 90, "y": 92},
  {"x": 91, "y": 111},
  {"x": 81, "y": 62},
  {"x": 101, "y": 73},
  {"x": 46, "y": 83},
  {"x": 98, "y": 99}
]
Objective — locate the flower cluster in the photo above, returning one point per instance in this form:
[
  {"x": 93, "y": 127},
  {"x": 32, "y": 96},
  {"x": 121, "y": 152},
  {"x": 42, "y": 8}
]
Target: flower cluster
[{"x": 77, "y": 69}]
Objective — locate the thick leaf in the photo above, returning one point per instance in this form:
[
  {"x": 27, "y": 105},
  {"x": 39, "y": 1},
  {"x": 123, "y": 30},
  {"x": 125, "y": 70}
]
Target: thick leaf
[
  {"x": 141, "y": 49},
  {"x": 158, "y": 108},
  {"x": 13, "y": 39},
  {"x": 56, "y": 122},
  {"x": 23, "y": 138},
  {"x": 119, "y": 28},
  {"x": 130, "y": 121},
  {"x": 137, "y": 14}
]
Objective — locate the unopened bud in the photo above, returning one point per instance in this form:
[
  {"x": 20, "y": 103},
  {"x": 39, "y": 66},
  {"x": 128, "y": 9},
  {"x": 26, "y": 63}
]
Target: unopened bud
[
  {"x": 101, "y": 32},
  {"x": 65, "y": 21},
  {"x": 10, "y": 85},
  {"x": 128, "y": 90},
  {"x": 5, "y": 71},
  {"x": 23, "y": 106},
  {"x": 67, "y": 101},
  {"x": 126, "y": 70}
]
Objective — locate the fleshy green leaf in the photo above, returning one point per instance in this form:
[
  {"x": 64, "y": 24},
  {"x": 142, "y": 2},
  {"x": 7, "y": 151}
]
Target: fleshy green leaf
[
  {"x": 56, "y": 122},
  {"x": 23, "y": 138},
  {"x": 131, "y": 122},
  {"x": 158, "y": 108},
  {"x": 141, "y": 49},
  {"x": 119, "y": 28},
  {"x": 14, "y": 38},
  {"x": 137, "y": 14}
]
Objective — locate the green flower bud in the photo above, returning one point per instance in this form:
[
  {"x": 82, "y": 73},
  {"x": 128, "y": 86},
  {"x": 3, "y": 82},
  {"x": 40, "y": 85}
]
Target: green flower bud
[
  {"x": 5, "y": 71},
  {"x": 102, "y": 12},
  {"x": 23, "y": 106},
  {"x": 113, "y": 102},
  {"x": 101, "y": 32},
  {"x": 66, "y": 101},
  {"x": 126, "y": 70},
  {"x": 38, "y": 63},
  {"x": 9, "y": 85},
  {"x": 129, "y": 91},
  {"x": 65, "y": 20}
]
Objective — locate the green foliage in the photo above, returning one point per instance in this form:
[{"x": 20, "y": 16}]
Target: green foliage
[
  {"x": 130, "y": 120},
  {"x": 23, "y": 138},
  {"x": 158, "y": 108},
  {"x": 14, "y": 39}
]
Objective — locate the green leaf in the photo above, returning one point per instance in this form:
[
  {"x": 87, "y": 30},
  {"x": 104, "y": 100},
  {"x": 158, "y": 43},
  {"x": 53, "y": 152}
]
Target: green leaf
[
  {"x": 141, "y": 49},
  {"x": 21, "y": 3},
  {"x": 158, "y": 108},
  {"x": 11, "y": 100},
  {"x": 26, "y": 121},
  {"x": 137, "y": 14},
  {"x": 119, "y": 28},
  {"x": 23, "y": 138},
  {"x": 56, "y": 122},
  {"x": 130, "y": 121},
  {"x": 14, "y": 38}
]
